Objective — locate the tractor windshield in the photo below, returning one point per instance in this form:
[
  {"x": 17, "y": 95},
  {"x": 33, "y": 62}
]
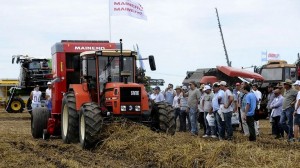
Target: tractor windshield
[
  {"x": 272, "y": 74},
  {"x": 109, "y": 69}
]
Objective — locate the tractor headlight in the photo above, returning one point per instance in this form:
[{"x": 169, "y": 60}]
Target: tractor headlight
[
  {"x": 137, "y": 108},
  {"x": 123, "y": 108}
]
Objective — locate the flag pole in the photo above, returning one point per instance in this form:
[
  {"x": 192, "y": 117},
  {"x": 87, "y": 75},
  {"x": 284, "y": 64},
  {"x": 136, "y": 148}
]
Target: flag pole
[{"x": 109, "y": 21}]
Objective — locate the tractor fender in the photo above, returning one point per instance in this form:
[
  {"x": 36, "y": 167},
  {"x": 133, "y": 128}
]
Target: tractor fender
[{"x": 81, "y": 93}]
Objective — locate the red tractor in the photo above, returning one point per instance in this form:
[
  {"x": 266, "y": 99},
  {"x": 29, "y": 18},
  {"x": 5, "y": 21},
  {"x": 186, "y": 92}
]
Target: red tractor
[{"x": 93, "y": 88}]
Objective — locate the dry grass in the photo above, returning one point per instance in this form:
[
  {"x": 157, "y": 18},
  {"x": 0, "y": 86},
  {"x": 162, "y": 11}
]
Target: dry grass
[
  {"x": 146, "y": 148},
  {"x": 133, "y": 145}
]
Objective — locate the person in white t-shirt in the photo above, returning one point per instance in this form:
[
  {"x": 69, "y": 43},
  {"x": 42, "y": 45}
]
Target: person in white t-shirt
[
  {"x": 258, "y": 96},
  {"x": 257, "y": 93},
  {"x": 227, "y": 111},
  {"x": 35, "y": 97},
  {"x": 297, "y": 112},
  {"x": 49, "y": 95},
  {"x": 48, "y": 91}
]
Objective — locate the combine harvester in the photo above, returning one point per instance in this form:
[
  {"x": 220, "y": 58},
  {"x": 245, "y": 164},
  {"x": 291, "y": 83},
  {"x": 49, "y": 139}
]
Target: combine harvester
[
  {"x": 33, "y": 71},
  {"x": 94, "y": 83}
]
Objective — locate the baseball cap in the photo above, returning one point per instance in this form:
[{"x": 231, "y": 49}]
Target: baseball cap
[
  {"x": 157, "y": 88},
  {"x": 297, "y": 83},
  {"x": 237, "y": 84},
  {"x": 49, "y": 83},
  {"x": 223, "y": 83},
  {"x": 207, "y": 87},
  {"x": 184, "y": 87},
  {"x": 216, "y": 84}
]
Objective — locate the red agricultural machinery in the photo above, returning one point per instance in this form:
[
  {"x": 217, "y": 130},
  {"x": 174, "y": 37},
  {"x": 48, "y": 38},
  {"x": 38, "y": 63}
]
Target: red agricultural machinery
[{"x": 94, "y": 83}]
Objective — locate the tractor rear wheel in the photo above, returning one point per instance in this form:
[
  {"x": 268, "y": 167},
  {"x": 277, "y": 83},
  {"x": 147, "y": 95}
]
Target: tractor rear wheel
[
  {"x": 39, "y": 120},
  {"x": 166, "y": 118},
  {"x": 69, "y": 119},
  {"x": 16, "y": 105},
  {"x": 91, "y": 122}
]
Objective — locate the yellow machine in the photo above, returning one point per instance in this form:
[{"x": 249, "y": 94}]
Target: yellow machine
[{"x": 5, "y": 85}]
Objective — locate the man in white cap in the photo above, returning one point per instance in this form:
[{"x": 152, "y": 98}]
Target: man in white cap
[
  {"x": 288, "y": 107},
  {"x": 207, "y": 107},
  {"x": 227, "y": 111},
  {"x": 217, "y": 102},
  {"x": 49, "y": 95},
  {"x": 48, "y": 91}
]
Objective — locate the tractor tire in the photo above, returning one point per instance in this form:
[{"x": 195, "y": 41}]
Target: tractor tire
[
  {"x": 166, "y": 118},
  {"x": 69, "y": 119},
  {"x": 90, "y": 121},
  {"x": 39, "y": 120},
  {"x": 16, "y": 105}
]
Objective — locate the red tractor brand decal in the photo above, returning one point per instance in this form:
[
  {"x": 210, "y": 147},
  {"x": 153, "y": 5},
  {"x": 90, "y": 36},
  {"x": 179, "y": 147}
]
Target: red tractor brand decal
[{"x": 86, "y": 48}]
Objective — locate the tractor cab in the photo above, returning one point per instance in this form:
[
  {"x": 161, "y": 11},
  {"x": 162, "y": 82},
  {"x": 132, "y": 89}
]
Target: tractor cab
[
  {"x": 276, "y": 71},
  {"x": 109, "y": 77}
]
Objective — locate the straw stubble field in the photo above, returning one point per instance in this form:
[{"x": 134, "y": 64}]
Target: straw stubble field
[{"x": 133, "y": 145}]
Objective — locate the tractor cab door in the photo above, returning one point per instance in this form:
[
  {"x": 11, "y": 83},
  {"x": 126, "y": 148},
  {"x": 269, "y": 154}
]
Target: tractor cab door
[
  {"x": 89, "y": 72},
  {"x": 290, "y": 73}
]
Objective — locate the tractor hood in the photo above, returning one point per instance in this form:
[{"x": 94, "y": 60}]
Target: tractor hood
[{"x": 236, "y": 72}]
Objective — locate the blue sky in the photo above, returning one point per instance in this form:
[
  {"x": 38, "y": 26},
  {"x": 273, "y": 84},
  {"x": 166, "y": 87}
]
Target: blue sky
[{"x": 182, "y": 35}]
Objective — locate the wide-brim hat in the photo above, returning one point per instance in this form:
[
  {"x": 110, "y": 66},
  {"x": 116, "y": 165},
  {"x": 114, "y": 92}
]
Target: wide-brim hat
[
  {"x": 178, "y": 87},
  {"x": 279, "y": 85},
  {"x": 288, "y": 82}
]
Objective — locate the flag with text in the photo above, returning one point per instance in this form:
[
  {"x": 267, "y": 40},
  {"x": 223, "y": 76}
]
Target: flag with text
[{"x": 127, "y": 7}]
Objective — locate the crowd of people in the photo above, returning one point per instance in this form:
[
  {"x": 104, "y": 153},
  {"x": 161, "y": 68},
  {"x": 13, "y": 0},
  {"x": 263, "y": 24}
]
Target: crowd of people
[{"x": 220, "y": 109}]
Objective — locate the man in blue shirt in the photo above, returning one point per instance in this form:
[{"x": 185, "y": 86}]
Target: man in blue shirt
[
  {"x": 217, "y": 101},
  {"x": 250, "y": 111}
]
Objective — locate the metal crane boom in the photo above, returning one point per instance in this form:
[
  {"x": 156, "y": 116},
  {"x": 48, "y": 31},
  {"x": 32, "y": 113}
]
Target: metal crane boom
[{"x": 227, "y": 59}]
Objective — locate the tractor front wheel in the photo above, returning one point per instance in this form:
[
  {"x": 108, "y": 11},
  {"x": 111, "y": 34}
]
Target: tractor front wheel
[
  {"x": 16, "y": 105},
  {"x": 69, "y": 119},
  {"x": 91, "y": 122},
  {"x": 164, "y": 114},
  {"x": 39, "y": 120}
]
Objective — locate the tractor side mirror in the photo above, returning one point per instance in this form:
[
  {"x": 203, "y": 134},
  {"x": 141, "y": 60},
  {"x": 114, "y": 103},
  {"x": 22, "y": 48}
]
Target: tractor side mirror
[
  {"x": 18, "y": 60},
  {"x": 152, "y": 63},
  {"x": 76, "y": 63}
]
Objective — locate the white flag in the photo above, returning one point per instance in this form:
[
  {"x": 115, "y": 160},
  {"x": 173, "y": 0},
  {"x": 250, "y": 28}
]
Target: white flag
[
  {"x": 127, "y": 7},
  {"x": 273, "y": 56}
]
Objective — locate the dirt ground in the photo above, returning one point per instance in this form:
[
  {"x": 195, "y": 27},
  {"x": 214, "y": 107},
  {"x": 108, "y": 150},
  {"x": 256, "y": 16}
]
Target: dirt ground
[{"x": 133, "y": 145}]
